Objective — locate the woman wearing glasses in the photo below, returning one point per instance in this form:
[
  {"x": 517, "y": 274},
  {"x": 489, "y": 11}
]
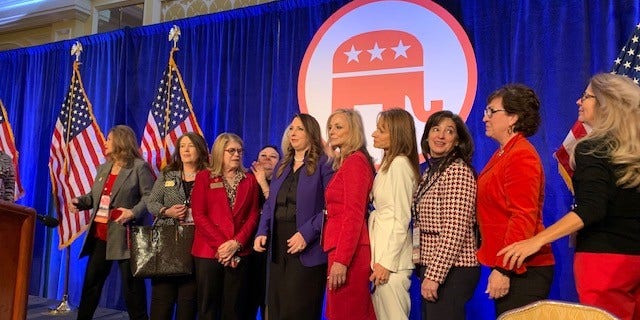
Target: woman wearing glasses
[
  {"x": 510, "y": 198},
  {"x": 224, "y": 203},
  {"x": 607, "y": 196}
]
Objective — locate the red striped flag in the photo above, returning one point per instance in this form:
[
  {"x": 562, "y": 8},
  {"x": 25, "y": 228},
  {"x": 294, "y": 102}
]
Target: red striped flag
[
  {"x": 171, "y": 116},
  {"x": 77, "y": 149},
  {"x": 8, "y": 146},
  {"x": 628, "y": 64},
  {"x": 578, "y": 131}
]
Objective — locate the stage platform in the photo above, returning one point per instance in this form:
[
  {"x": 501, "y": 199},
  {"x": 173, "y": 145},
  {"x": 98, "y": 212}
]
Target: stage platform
[{"x": 38, "y": 308}]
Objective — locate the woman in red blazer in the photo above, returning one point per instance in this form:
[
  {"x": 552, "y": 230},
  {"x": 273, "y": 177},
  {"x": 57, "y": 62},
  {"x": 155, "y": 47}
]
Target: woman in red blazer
[
  {"x": 224, "y": 204},
  {"x": 510, "y": 197},
  {"x": 346, "y": 236}
]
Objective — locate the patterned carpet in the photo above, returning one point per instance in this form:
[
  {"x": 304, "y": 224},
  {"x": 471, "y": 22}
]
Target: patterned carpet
[{"x": 39, "y": 308}]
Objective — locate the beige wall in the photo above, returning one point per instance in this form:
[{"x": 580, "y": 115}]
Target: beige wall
[
  {"x": 65, "y": 22},
  {"x": 178, "y": 9}
]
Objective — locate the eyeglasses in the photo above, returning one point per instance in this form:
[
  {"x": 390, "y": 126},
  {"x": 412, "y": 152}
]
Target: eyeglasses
[
  {"x": 586, "y": 96},
  {"x": 233, "y": 151},
  {"x": 488, "y": 112}
]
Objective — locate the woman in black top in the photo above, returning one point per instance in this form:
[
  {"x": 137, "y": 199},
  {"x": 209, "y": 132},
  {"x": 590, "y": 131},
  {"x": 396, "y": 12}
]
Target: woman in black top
[
  {"x": 169, "y": 202},
  {"x": 262, "y": 168},
  {"x": 607, "y": 197}
]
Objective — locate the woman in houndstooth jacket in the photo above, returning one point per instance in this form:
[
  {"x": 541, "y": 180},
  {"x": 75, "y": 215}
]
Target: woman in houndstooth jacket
[
  {"x": 169, "y": 202},
  {"x": 444, "y": 205}
]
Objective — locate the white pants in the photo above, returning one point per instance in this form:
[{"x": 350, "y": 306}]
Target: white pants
[{"x": 391, "y": 300}]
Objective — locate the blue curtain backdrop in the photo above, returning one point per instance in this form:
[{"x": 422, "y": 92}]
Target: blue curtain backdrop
[{"x": 241, "y": 67}]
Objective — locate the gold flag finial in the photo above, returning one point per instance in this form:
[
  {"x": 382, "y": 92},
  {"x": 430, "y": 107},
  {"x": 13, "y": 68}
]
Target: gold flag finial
[
  {"x": 174, "y": 35},
  {"x": 76, "y": 50}
]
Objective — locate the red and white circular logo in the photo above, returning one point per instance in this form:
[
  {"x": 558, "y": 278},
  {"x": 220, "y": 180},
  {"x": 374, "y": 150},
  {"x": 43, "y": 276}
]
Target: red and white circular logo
[{"x": 377, "y": 55}]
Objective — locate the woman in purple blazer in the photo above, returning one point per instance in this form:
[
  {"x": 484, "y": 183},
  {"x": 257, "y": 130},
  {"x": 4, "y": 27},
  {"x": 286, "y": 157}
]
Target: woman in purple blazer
[{"x": 291, "y": 225}]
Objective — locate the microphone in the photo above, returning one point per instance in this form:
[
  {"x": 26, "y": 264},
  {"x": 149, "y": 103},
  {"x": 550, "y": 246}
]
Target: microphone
[{"x": 48, "y": 221}]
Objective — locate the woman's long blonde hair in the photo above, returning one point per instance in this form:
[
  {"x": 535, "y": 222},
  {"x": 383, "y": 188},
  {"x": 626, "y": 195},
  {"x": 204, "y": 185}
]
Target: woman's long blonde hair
[
  {"x": 355, "y": 142},
  {"x": 616, "y": 128}
]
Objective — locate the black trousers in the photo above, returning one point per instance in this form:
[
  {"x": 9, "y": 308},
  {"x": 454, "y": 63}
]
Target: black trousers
[
  {"x": 257, "y": 282},
  {"x": 453, "y": 294},
  {"x": 295, "y": 291},
  {"x": 133, "y": 289},
  {"x": 222, "y": 291},
  {"x": 531, "y": 286},
  {"x": 169, "y": 293}
]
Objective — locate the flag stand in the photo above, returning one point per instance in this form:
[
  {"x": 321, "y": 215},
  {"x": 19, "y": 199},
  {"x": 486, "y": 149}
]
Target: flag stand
[{"x": 64, "y": 307}]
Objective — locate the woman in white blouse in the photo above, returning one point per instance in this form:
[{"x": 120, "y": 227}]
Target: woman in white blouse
[{"x": 391, "y": 242}]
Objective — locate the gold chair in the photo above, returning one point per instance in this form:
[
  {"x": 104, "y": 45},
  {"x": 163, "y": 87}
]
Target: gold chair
[{"x": 556, "y": 310}]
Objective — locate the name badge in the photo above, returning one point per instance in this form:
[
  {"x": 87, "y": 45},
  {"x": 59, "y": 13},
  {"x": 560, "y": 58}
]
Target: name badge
[
  {"x": 415, "y": 252},
  {"x": 169, "y": 183},
  {"x": 216, "y": 185},
  {"x": 103, "y": 209}
]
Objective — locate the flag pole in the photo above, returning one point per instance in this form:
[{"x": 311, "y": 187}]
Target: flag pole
[
  {"x": 174, "y": 36},
  {"x": 64, "y": 307}
]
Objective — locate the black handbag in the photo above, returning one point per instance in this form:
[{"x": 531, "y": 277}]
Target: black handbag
[{"x": 161, "y": 250}]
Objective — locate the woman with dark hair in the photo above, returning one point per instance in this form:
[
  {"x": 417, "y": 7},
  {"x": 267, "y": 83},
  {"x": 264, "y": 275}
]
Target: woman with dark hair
[
  {"x": 389, "y": 222},
  {"x": 117, "y": 200},
  {"x": 444, "y": 208},
  {"x": 291, "y": 222},
  {"x": 224, "y": 203},
  {"x": 262, "y": 169},
  {"x": 510, "y": 198},
  {"x": 346, "y": 236},
  {"x": 607, "y": 197},
  {"x": 170, "y": 202}
]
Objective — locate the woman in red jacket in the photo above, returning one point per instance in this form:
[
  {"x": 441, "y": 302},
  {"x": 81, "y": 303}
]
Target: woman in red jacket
[
  {"x": 224, "y": 203},
  {"x": 510, "y": 197},
  {"x": 346, "y": 237}
]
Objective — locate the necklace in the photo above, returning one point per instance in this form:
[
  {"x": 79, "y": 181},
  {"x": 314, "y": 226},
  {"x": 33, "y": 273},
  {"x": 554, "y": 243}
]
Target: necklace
[
  {"x": 296, "y": 160},
  {"x": 189, "y": 175}
]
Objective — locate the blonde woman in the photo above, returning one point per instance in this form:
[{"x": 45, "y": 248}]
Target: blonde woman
[
  {"x": 346, "y": 237},
  {"x": 224, "y": 204},
  {"x": 607, "y": 196},
  {"x": 392, "y": 192}
]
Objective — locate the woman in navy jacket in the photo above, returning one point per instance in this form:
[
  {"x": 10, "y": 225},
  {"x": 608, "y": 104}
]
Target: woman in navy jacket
[{"x": 291, "y": 224}]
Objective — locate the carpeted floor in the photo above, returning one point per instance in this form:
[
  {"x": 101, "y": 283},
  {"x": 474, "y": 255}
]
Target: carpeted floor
[{"x": 39, "y": 308}]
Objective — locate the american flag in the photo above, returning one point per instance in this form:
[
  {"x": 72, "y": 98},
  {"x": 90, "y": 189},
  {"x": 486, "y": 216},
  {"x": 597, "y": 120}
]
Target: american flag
[
  {"x": 77, "y": 149},
  {"x": 171, "y": 116},
  {"x": 8, "y": 146},
  {"x": 628, "y": 64}
]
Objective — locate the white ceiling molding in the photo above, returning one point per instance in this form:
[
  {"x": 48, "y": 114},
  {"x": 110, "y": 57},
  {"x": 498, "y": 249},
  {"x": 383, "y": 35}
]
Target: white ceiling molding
[{"x": 25, "y": 14}]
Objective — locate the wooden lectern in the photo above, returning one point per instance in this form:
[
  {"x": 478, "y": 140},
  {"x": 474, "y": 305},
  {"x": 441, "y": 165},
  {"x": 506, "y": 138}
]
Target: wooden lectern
[{"x": 17, "y": 227}]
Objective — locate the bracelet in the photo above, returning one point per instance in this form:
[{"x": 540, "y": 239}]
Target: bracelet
[
  {"x": 162, "y": 211},
  {"x": 504, "y": 272}
]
